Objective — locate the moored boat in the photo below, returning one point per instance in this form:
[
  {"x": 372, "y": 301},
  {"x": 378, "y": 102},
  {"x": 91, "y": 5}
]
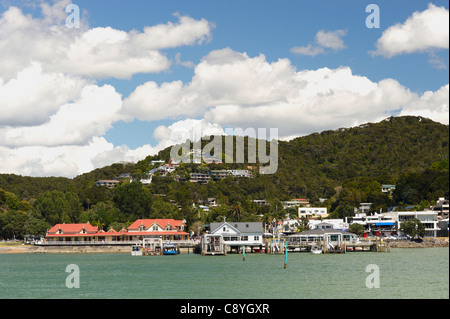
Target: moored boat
[
  {"x": 170, "y": 249},
  {"x": 316, "y": 250}
]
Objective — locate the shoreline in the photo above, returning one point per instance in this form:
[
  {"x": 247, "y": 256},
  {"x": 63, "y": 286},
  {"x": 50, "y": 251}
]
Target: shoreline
[{"x": 27, "y": 249}]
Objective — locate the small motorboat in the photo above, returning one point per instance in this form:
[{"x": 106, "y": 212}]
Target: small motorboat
[
  {"x": 316, "y": 250},
  {"x": 170, "y": 249}
]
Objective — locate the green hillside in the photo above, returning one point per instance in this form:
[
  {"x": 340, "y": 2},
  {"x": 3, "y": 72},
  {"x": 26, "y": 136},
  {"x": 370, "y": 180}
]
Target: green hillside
[{"x": 345, "y": 166}]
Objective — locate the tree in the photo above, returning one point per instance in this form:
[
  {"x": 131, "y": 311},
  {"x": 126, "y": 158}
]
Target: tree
[
  {"x": 133, "y": 201},
  {"x": 197, "y": 227},
  {"x": 12, "y": 224},
  {"x": 237, "y": 212},
  {"x": 53, "y": 207},
  {"x": 303, "y": 225},
  {"x": 413, "y": 227},
  {"x": 357, "y": 229},
  {"x": 35, "y": 225},
  {"x": 343, "y": 211},
  {"x": 73, "y": 206}
]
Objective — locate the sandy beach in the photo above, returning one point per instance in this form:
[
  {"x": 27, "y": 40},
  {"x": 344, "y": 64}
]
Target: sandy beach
[{"x": 15, "y": 249}]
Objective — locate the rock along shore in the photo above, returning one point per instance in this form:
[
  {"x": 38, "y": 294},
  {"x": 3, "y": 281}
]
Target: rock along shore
[{"x": 426, "y": 243}]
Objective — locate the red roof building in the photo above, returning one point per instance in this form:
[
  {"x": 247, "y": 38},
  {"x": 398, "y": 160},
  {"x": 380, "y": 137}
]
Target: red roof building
[{"x": 167, "y": 229}]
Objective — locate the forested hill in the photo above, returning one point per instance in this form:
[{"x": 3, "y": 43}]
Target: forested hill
[
  {"x": 308, "y": 164},
  {"x": 346, "y": 166}
]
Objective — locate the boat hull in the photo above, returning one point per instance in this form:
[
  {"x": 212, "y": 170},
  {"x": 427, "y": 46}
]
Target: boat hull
[{"x": 170, "y": 253}]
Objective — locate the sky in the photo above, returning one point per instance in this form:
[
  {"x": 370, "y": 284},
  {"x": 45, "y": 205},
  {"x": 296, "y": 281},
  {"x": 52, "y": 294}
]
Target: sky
[{"x": 84, "y": 84}]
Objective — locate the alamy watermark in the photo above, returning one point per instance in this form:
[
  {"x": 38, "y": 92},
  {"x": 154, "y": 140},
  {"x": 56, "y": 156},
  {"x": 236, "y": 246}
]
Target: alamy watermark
[
  {"x": 232, "y": 152},
  {"x": 373, "y": 19},
  {"x": 73, "y": 279},
  {"x": 73, "y": 18},
  {"x": 373, "y": 279}
]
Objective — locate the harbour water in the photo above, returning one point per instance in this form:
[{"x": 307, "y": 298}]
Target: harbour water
[{"x": 403, "y": 273}]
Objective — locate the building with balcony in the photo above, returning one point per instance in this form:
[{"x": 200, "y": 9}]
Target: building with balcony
[
  {"x": 312, "y": 212},
  {"x": 237, "y": 234},
  {"x": 200, "y": 178},
  {"x": 296, "y": 202},
  {"x": 427, "y": 218},
  {"x": 441, "y": 208},
  {"x": 85, "y": 233},
  {"x": 110, "y": 183},
  {"x": 376, "y": 224}
]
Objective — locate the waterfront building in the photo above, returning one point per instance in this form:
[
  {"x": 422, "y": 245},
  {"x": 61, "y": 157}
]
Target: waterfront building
[
  {"x": 237, "y": 234},
  {"x": 427, "y": 218},
  {"x": 167, "y": 229},
  {"x": 85, "y": 233},
  {"x": 321, "y": 236},
  {"x": 376, "y": 224},
  {"x": 82, "y": 233}
]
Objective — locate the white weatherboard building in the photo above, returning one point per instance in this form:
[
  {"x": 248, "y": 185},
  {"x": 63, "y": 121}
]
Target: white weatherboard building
[{"x": 238, "y": 234}]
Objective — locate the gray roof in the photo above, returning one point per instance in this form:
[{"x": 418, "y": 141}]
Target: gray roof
[
  {"x": 324, "y": 224},
  {"x": 243, "y": 227}
]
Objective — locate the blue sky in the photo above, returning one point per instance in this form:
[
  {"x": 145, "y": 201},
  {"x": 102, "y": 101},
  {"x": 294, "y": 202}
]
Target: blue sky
[
  {"x": 232, "y": 37},
  {"x": 271, "y": 28}
]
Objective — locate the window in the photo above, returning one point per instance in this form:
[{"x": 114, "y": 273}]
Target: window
[
  {"x": 255, "y": 237},
  {"x": 244, "y": 238},
  {"x": 155, "y": 228}
]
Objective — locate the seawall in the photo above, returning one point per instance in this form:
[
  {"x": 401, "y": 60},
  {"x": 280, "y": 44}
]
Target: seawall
[
  {"x": 78, "y": 249},
  {"x": 425, "y": 243},
  {"x": 86, "y": 249}
]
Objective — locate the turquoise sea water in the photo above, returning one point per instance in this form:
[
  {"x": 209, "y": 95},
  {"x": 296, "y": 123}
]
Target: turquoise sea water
[{"x": 403, "y": 273}]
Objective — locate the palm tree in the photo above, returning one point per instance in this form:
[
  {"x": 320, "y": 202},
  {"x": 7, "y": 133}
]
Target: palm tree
[{"x": 236, "y": 212}]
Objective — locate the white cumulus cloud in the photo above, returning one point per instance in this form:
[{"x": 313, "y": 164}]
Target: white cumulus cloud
[
  {"x": 422, "y": 31},
  {"x": 99, "y": 52},
  {"x": 323, "y": 40},
  {"x": 231, "y": 89}
]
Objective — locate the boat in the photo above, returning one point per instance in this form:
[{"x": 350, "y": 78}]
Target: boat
[
  {"x": 316, "y": 250},
  {"x": 136, "y": 250},
  {"x": 170, "y": 249}
]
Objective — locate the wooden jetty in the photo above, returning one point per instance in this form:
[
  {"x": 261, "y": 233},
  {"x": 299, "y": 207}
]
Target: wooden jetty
[
  {"x": 152, "y": 246},
  {"x": 212, "y": 244},
  {"x": 332, "y": 243}
]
